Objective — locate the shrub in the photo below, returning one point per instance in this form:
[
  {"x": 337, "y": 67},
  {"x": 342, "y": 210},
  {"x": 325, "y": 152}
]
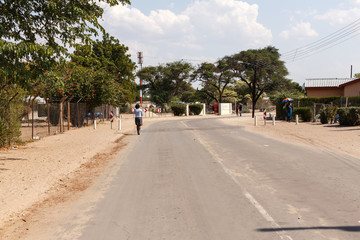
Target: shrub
[
  {"x": 196, "y": 108},
  {"x": 349, "y": 116},
  {"x": 305, "y": 113},
  {"x": 324, "y": 117},
  {"x": 4, "y": 132},
  {"x": 178, "y": 109},
  {"x": 328, "y": 114},
  {"x": 10, "y": 121}
]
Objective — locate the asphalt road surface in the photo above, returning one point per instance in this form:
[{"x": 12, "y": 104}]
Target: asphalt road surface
[{"x": 199, "y": 179}]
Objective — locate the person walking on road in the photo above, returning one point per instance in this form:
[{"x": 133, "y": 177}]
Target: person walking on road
[{"x": 138, "y": 118}]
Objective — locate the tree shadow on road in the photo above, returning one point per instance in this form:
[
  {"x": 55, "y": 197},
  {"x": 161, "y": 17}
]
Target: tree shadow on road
[
  {"x": 13, "y": 159},
  {"x": 341, "y": 228}
]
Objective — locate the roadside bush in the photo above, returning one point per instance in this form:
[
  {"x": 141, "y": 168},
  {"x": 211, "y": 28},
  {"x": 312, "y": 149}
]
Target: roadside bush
[
  {"x": 178, "y": 109},
  {"x": 328, "y": 114},
  {"x": 196, "y": 108},
  {"x": 323, "y": 117},
  {"x": 5, "y": 132},
  {"x": 305, "y": 113},
  {"x": 10, "y": 121},
  {"x": 349, "y": 116}
]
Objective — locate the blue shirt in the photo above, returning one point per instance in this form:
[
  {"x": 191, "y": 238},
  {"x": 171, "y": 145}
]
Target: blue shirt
[{"x": 138, "y": 112}]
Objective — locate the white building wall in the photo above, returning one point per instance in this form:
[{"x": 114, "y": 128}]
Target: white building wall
[{"x": 225, "y": 108}]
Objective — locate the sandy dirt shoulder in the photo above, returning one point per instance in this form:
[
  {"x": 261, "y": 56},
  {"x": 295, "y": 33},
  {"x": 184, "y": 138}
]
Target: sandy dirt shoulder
[
  {"x": 328, "y": 137},
  {"x": 50, "y": 170}
]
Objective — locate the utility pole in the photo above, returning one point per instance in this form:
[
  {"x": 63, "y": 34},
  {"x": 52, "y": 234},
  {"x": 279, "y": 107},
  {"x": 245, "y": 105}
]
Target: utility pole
[{"x": 140, "y": 62}]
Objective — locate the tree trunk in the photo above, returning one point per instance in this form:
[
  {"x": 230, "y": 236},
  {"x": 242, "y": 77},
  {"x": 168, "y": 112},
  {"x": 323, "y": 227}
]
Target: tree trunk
[
  {"x": 254, "y": 95},
  {"x": 62, "y": 114}
]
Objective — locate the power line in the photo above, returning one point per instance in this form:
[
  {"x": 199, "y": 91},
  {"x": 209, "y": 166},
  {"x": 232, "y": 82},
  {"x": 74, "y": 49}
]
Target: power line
[{"x": 344, "y": 34}]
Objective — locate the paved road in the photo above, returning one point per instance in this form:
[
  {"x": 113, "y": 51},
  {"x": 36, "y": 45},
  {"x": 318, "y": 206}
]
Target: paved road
[{"x": 199, "y": 179}]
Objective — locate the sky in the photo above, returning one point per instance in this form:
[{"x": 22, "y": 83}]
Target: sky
[{"x": 317, "y": 39}]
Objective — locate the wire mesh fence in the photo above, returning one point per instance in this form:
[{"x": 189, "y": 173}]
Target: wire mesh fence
[{"x": 57, "y": 117}]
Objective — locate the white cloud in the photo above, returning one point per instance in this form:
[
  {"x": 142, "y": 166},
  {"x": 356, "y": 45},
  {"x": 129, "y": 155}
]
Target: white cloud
[
  {"x": 226, "y": 26},
  {"x": 340, "y": 16},
  {"x": 299, "y": 31}
]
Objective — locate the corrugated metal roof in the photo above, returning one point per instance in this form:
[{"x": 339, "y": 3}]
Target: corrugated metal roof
[{"x": 326, "y": 82}]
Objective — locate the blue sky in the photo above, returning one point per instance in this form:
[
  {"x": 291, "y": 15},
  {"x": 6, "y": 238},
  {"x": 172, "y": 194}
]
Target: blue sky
[{"x": 207, "y": 30}]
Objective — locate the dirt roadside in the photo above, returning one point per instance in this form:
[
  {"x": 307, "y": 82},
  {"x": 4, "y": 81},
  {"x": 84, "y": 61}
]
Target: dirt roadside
[{"x": 50, "y": 171}]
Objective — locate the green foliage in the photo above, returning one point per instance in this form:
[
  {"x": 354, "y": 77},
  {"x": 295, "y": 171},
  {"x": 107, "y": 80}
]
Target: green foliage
[
  {"x": 324, "y": 119},
  {"x": 5, "y": 132},
  {"x": 305, "y": 113},
  {"x": 214, "y": 78},
  {"x": 328, "y": 114},
  {"x": 166, "y": 81},
  {"x": 349, "y": 116},
  {"x": 109, "y": 57},
  {"x": 178, "y": 109},
  {"x": 196, "y": 108},
  {"x": 11, "y": 110},
  {"x": 261, "y": 70}
]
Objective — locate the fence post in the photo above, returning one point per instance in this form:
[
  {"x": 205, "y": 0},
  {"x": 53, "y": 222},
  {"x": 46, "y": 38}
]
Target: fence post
[
  {"x": 95, "y": 124},
  {"x": 273, "y": 119},
  {"x": 297, "y": 119},
  {"x": 119, "y": 124},
  {"x": 68, "y": 114},
  {"x": 255, "y": 120},
  {"x": 32, "y": 119},
  {"x": 314, "y": 113},
  {"x": 48, "y": 115}
]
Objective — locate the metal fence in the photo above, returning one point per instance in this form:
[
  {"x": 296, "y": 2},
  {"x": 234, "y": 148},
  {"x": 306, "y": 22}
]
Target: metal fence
[{"x": 53, "y": 118}]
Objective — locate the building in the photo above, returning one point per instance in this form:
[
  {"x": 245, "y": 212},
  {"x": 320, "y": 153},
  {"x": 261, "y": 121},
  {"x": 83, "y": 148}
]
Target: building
[{"x": 330, "y": 87}]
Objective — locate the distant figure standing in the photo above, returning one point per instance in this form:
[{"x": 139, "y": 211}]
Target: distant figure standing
[
  {"x": 237, "y": 110},
  {"x": 138, "y": 117},
  {"x": 289, "y": 111},
  {"x": 240, "y": 108}
]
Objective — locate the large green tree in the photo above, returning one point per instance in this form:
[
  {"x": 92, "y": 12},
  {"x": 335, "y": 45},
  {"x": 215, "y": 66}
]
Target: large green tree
[
  {"x": 34, "y": 34},
  {"x": 33, "y": 31},
  {"x": 166, "y": 81},
  {"x": 261, "y": 70},
  {"x": 111, "y": 56},
  {"x": 214, "y": 78}
]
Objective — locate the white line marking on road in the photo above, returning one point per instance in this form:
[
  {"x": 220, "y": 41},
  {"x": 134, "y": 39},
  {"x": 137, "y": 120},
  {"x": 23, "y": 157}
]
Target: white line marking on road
[{"x": 282, "y": 234}]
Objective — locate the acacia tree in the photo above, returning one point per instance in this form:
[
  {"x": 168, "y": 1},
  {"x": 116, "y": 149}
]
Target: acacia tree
[
  {"x": 261, "y": 70},
  {"x": 214, "y": 78},
  {"x": 164, "y": 82}
]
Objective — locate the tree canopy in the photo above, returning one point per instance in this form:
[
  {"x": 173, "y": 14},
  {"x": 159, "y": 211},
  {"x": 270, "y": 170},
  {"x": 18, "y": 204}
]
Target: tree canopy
[
  {"x": 214, "y": 78},
  {"x": 36, "y": 33},
  {"x": 163, "y": 82},
  {"x": 261, "y": 70}
]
